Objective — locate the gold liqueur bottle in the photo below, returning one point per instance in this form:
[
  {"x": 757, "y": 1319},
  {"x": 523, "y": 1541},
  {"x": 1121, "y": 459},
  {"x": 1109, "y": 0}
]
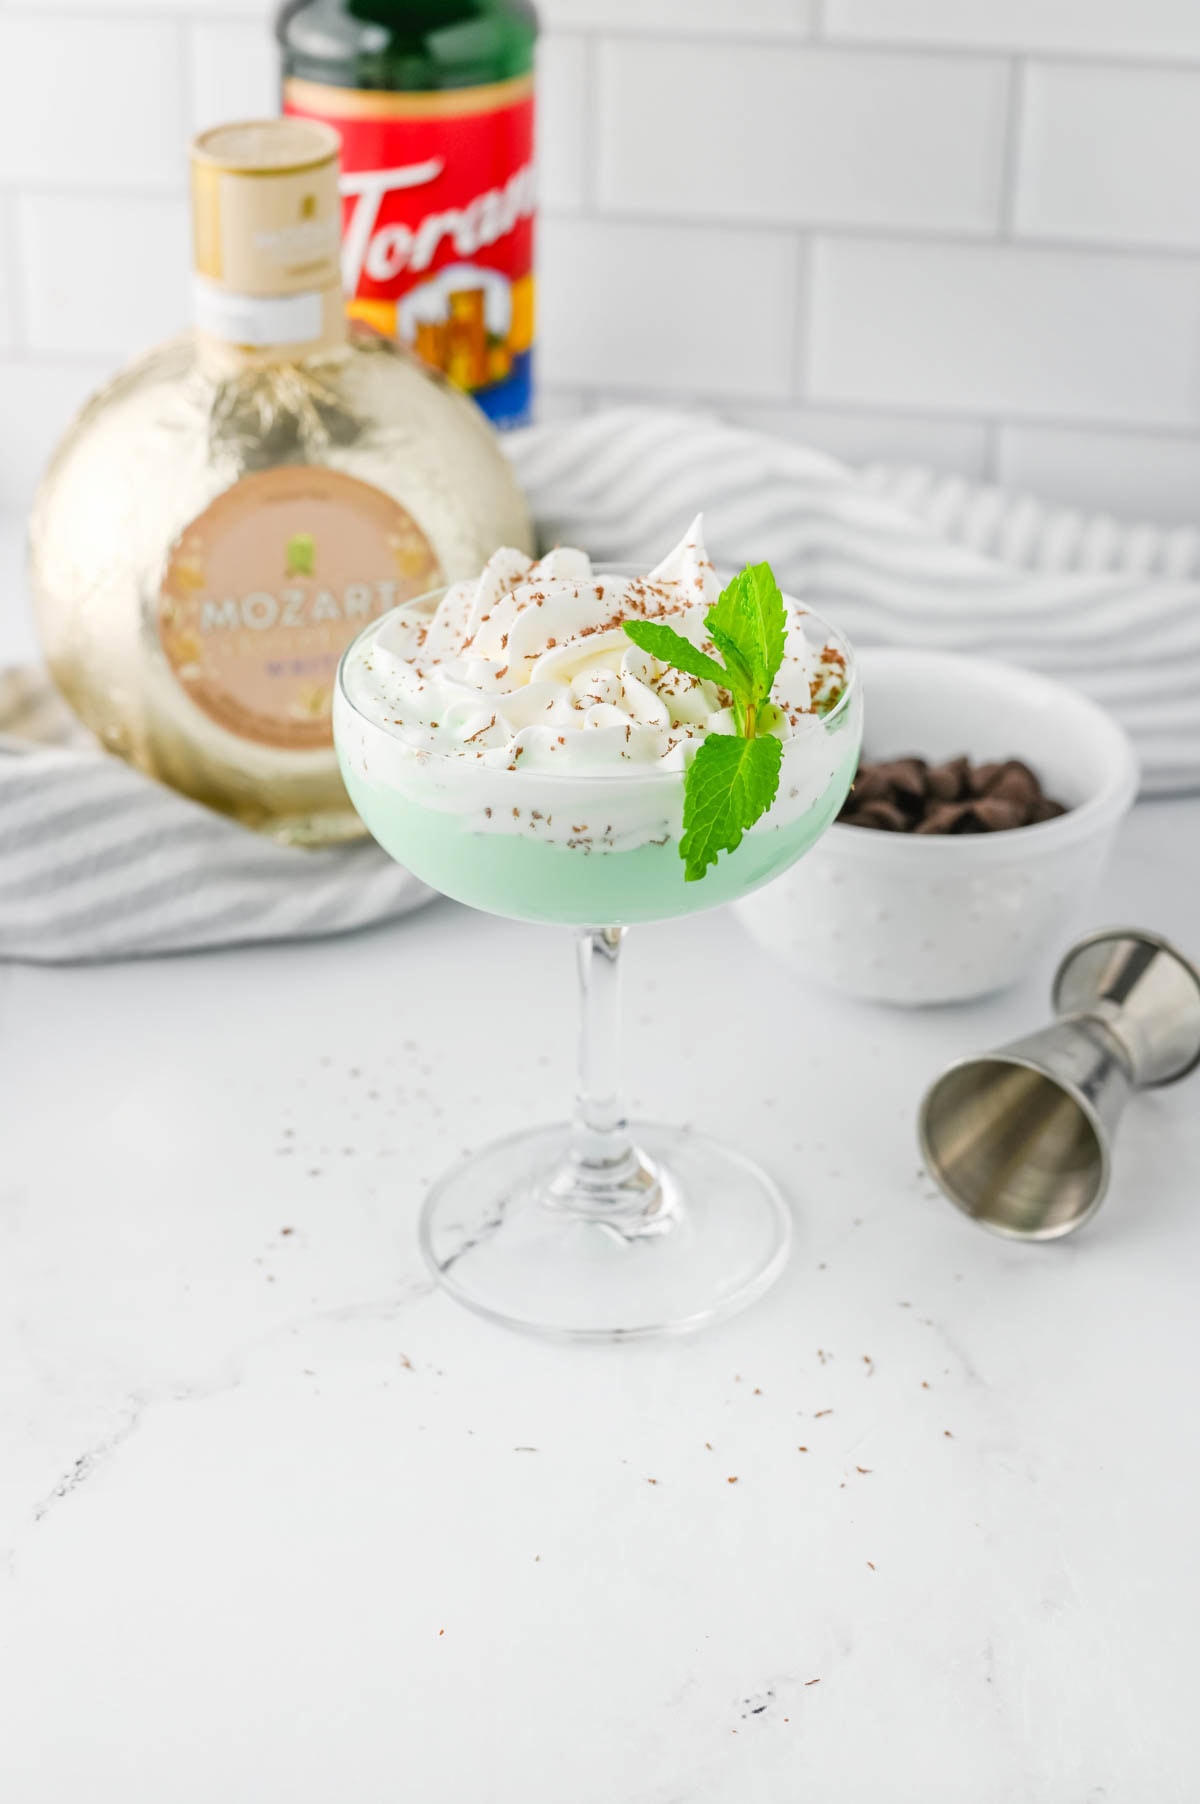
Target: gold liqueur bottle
[{"x": 225, "y": 516}]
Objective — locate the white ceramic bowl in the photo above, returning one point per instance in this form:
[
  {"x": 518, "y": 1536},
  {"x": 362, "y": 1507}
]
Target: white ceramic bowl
[{"x": 902, "y": 918}]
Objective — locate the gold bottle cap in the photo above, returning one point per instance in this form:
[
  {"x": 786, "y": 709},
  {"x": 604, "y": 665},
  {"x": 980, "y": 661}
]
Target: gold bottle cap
[{"x": 267, "y": 146}]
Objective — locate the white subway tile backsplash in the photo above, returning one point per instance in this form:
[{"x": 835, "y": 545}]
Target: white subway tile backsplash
[
  {"x": 822, "y": 136},
  {"x": 43, "y": 396},
  {"x": 1089, "y": 27},
  {"x": 672, "y": 309},
  {"x": 1005, "y": 330},
  {"x": 688, "y": 149},
  {"x": 1134, "y": 475},
  {"x": 725, "y": 18},
  {"x": 234, "y": 73},
  {"x": 959, "y": 447},
  {"x": 104, "y": 281},
  {"x": 1111, "y": 154},
  {"x": 563, "y": 117},
  {"x": 91, "y": 103}
]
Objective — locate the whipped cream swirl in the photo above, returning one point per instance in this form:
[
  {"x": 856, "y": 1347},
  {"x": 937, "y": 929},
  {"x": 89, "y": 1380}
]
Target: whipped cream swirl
[
  {"x": 529, "y": 668},
  {"x": 521, "y": 707}
]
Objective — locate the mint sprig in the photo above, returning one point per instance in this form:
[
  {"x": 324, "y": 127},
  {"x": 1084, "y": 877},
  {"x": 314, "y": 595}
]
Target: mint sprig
[{"x": 733, "y": 778}]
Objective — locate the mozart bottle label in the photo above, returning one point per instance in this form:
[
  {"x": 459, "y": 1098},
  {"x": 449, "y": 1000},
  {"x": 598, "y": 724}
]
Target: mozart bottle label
[
  {"x": 438, "y": 204},
  {"x": 265, "y": 589}
]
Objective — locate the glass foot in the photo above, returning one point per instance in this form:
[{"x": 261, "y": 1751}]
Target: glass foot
[{"x": 695, "y": 1232}]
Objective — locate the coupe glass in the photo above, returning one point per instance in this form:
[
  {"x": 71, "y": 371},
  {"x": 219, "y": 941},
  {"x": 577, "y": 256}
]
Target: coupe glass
[{"x": 597, "y": 1228}]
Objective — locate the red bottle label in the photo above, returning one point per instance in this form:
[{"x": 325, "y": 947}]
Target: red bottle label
[{"x": 437, "y": 229}]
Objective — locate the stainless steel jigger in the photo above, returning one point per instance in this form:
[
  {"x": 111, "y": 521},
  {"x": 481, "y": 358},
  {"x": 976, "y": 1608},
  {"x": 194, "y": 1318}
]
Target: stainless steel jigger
[{"x": 1020, "y": 1139}]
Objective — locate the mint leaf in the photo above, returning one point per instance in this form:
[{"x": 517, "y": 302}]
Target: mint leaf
[
  {"x": 733, "y": 778},
  {"x": 741, "y": 678},
  {"x": 731, "y": 782},
  {"x": 748, "y": 624},
  {"x": 670, "y": 647}
]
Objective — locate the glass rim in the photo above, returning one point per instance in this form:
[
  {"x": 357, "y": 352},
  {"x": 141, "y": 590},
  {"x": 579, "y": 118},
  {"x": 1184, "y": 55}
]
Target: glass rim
[{"x": 637, "y": 774}]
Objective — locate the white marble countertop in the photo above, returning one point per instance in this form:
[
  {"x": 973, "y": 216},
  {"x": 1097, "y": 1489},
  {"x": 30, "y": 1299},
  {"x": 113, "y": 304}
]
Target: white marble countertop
[{"x": 280, "y": 1524}]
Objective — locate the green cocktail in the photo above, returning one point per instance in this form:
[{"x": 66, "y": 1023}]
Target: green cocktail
[{"x": 508, "y": 743}]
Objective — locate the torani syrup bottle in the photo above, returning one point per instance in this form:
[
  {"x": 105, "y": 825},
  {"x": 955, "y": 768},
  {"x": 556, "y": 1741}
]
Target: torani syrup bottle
[{"x": 433, "y": 100}]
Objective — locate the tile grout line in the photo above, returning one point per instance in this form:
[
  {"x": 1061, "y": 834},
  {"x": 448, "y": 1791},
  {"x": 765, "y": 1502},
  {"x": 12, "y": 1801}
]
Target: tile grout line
[
  {"x": 801, "y": 346},
  {"x": 30, "y": 188},
  {"x": 991, "y": 450},
  {"x": 592, "y": 51},
  {"x": 649, "y": 394},
  {"x": 801, "y": 39},
  {"x": 1058, "y": 54},
  {"x": 186, "y": 53},
  {"x": 1014, "y": 130},
  {"x": 967, "y": 238}
]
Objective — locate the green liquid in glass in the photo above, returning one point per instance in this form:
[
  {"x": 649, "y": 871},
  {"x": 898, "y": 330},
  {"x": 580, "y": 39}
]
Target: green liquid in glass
[{"x": 513, "y": 874}]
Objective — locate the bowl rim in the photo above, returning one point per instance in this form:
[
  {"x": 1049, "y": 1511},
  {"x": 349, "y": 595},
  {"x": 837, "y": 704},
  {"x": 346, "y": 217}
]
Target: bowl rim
[{"x": 1101, "y": 811}]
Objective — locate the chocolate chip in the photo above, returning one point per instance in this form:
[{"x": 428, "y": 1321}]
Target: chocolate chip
[
  {"x": 907, "y": 777},
  {"x": 1015, "y": 783},
  {"x": 871, "y": 785},
  {"x": 884, "y": 815},
  {"x": 981, "y": 778},
  {"x": 948, "y": 782},
  {"x": 1042, "y": 809},
  {"x": 997, "y": 813},
  {"x": 946, "y": 817}
]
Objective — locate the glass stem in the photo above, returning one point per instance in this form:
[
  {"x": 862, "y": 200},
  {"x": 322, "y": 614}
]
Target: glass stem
[
  {"x": 603, "y": 1173},
  {"x": 600, "y": 1132}
]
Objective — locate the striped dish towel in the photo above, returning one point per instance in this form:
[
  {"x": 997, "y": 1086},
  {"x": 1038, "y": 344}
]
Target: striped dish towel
[
  {"x": 99, "y": 862},
  {"x": 901, "y": 556},
  {"x": 96, "y": 861}
]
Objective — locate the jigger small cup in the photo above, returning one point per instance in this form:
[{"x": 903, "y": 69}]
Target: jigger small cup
[{"x": 1020, "y": 1139}]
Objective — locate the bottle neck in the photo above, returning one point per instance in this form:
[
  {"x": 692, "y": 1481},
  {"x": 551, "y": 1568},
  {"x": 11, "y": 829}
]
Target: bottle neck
[
  {"x": 407, "y": 45},
  {"x": 257, "y": 329},
  {"x": 266, "y": 233}
]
